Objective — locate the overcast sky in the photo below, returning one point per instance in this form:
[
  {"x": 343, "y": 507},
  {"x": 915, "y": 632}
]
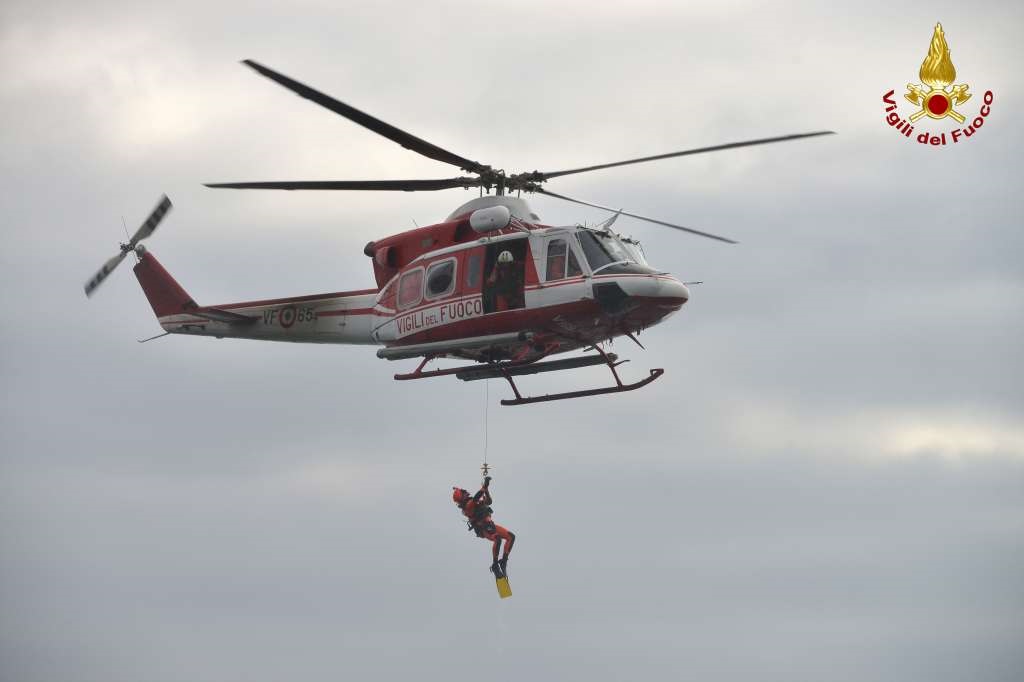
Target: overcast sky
[{"x": 827, "y": 483}]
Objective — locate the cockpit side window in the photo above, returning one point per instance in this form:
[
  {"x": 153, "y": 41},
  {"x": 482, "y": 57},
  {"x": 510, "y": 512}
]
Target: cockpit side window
[
  {"x": 556, "y": 260},
  {"x": 562, "y": 261},
  {"x": 574, "y": 269}
]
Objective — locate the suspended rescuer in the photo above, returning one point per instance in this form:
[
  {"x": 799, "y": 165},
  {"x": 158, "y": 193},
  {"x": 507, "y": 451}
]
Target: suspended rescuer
[{"x": 477, "y": 510}]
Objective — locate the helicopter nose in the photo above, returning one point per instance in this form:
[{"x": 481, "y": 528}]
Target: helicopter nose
[
  {"x": 669, "y": 294},
  {"x": 674, "y": 289},
  {"x": 662, "y": 291},
  {"x": 666, "y": 290},
  {"x": 669, "y": 297}
]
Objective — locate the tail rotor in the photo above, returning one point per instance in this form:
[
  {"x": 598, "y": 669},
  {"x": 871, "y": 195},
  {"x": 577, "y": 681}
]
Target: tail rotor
[{"x": 145, "y": 230}]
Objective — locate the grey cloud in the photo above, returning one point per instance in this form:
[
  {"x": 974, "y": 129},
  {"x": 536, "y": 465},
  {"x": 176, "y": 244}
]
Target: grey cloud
[{"x": 192, "y": 509}]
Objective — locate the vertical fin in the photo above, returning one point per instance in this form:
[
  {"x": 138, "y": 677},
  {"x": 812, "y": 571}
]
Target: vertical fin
[{"x": 165, "y": 295}]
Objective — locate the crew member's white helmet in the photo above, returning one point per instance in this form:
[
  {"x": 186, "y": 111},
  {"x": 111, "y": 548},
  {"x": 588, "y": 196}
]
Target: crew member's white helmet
[{"x": 505, "y": 257}]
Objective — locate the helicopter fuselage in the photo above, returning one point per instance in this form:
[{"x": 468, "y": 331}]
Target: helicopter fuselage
[
  {"x": 577, "y": 285},
  {"x": 491, "y": 284}
]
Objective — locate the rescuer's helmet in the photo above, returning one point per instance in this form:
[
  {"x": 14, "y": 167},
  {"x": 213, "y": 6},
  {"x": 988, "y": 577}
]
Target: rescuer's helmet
[{"x": 505, "y": 257}]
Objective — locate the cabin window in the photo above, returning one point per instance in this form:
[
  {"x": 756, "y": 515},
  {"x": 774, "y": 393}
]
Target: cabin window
[
  {"x": 473, "y": 271},
  {"x": 410, "y": 288},
  {"x": 559, "y": 257},
  {"x": 441, "y": 278}
]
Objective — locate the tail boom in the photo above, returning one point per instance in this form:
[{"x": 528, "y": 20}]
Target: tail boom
[{"x": 341, "y": 317}]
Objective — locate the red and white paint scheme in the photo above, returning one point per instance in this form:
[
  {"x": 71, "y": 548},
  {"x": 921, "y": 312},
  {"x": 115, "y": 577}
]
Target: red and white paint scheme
[
  {"x": 438, "y": 296},
  {"x": 491, "y": 284}
]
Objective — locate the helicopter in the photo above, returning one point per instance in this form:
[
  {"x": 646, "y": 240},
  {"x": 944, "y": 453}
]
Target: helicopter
[{"x": 491, "y": 284}]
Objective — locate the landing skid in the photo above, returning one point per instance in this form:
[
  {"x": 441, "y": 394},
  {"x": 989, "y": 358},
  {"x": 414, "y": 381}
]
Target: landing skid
[
  {"x": 620, "y": 388},
  {"x": 509, "y": 369}
]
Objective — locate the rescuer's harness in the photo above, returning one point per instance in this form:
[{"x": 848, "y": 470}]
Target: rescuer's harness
[
  {"x": 479, "y": 518},
  {"x": 481, "y": 523}
]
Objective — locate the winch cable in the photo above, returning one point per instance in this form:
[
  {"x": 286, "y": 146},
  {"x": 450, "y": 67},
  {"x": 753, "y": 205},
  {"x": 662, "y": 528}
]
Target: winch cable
[{"x": 486, "y": 468}]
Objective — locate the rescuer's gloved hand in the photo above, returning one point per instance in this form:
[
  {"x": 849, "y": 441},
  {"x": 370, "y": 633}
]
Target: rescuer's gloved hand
[{"x": 487, "y": 481}]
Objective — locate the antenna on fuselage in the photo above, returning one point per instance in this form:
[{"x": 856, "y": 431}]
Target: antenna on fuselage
[{"x": 610, "y": 221}]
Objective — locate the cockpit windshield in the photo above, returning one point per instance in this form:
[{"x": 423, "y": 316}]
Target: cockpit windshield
[
  {"x": 635, "y": 250},
  {"x": 603, "y": 249}
]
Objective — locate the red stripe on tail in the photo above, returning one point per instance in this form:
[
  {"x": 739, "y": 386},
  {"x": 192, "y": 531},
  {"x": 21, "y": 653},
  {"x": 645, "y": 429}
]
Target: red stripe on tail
[{"x": 164, "y": 293}]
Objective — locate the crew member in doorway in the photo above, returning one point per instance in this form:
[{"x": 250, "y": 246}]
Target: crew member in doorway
[
  {"x": 477, "y": 510},
  {"x": 505, "y": 283}
]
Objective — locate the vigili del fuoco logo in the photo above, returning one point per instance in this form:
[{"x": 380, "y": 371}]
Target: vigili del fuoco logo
[{"x": 937, "y": 97}]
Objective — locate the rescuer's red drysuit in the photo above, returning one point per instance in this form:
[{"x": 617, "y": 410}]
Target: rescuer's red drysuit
[{"x": 477, "y": 510}]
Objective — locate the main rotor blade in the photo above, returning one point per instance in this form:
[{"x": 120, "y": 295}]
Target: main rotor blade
[
  {"x": 687, "y": 152},
  {"x": 639, "y": 217},
  {"x": 385, "y": 185},
  {"x": 375, "y": 124},
  {"x": 149, "y": 227},
  {"x": 107, "y": 268}
]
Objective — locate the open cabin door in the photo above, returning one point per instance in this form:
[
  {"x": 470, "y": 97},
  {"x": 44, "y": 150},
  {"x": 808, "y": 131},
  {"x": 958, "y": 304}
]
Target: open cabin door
[{"x": 503, "y": 285}]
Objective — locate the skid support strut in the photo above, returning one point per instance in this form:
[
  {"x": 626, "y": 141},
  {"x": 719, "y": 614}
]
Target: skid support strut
[{"x": 519, "y": 367}]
